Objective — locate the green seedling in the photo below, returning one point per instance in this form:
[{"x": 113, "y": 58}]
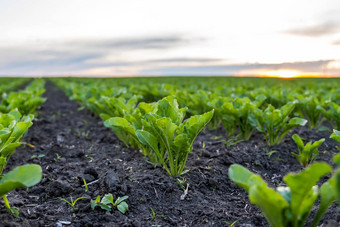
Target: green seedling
[
  {"x": 181, "y": 182},
  {"x": 58, "y": 156},
  {"x": 85, "y": 184},
  {"x": 153, "y": 215},
  {"x": 307, "y": 153},
  {"x": 291, "y": 205},
  {"x": 40, "y": 156},
  {"x": 270, "y": 153},
  {"x": 72, "y": 203},
  {"x": 107, "y": 203}
]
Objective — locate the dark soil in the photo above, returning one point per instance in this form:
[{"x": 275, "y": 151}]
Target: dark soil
[{"x": 76, "y": 145}]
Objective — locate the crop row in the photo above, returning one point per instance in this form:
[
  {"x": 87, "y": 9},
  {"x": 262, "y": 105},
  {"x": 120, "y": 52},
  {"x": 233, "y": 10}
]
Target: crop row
[
  {"x": 163, "y": 120},
  {"x": 17, "y": 111}
]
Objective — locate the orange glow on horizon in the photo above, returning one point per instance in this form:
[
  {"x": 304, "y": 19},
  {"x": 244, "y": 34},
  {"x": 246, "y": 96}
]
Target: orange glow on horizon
[{"x": 286, "y": 74}]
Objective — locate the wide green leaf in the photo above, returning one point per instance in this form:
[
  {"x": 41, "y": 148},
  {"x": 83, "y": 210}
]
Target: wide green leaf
[
  {"x": 271, "y": 203},
  {"x": 301, "y": 185},
  {"x": 22, "y": 176}
]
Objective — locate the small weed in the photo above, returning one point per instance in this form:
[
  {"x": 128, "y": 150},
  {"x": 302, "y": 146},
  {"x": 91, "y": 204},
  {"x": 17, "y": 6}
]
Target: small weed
[
  {"x": 72, "y": 203},
  {"x": 40, "y": 156},
  {"x": 107, "y": 203},
  {"x": 153, "y": 215},
  {"x": 269, "y": 153}
]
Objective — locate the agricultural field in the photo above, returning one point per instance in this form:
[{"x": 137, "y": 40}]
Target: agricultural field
[{"x": 172, "y": 151}]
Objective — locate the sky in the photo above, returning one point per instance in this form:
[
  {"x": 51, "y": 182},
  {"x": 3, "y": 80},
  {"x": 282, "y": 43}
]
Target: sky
[{"x": 156, "y": 38}]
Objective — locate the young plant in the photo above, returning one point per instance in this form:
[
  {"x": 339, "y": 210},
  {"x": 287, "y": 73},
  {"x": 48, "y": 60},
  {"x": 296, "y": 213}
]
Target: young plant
[
  {"x": 309, "y": 108},
  {"x": 159, "y": 131},
  {"x": 273, "y": 123},
  {"x": 107, "y": 203},
  {"x": 22, "y": 176},
  {"x": 125, "y": 127},
  {"x": 72, "y": 203},
  {"x": 336, "y": 136},
  {"x": 12, "y": 129},
  {"x": 153, "y": 215},
  {"x": 307, "y": 153},
  {"x": 26, "y": 101},
  {"x": 291, "y": 205},
  {"x": 235, "y": 115},
  {"x": 332, "y": 114},
  {"x": 170, "y": 141}
]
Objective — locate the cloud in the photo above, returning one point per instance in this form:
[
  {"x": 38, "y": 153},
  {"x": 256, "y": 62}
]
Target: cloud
[
  {"x": 157, "y": 42},
  {"x": 318, "y": 30},
  {"x": 234, "y": 69},
  {"x": 72, "y": 55}
]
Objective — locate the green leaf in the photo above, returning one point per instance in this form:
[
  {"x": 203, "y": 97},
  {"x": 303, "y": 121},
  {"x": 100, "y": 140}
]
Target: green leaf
[
  {"x": 121, "y": 199},
  {"x": 243, "y": 177},
  {"x": 107, "y": 199},
  {"x": 123, "y": 207},
  {"x": 147, "y": 138},
  {"x": 168, "y": 107},
  {"x": 271, "y": 203},
  {"x": 105, "y": 207},
  {"x": 121, "y": 123},
  {"x": 22, "y": 176},
  {"x": 93, "y": 204},
  {"x": 301, "y": 186},
  {"x": 335, "y": 135},
  {"x": 298, "y": 142},
  {"x": 336, "y": 159},
  {"x": 194, "y": 125},
  {"x": 327, "y": 197}
]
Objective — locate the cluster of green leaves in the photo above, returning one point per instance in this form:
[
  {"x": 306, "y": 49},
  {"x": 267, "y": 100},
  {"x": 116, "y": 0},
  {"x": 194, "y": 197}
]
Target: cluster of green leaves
[
  {"x": 26, "y": 101},
  {"x": 332, "y": 114},
  {"x": 291, "y": 205},
  {"x": 273, "y": 123},
  {"x": 307, "y": 153},
  {"x": 12, "y": 128},
  {"x": 309, "y": 107},
  {"x": 336, "y": 136},
  {"x": 10, "y": 84},
  {"x": 17, "y": 111},
  {"x": 236, "y": 114},
  {"x": 163, "y": 135},
  {"x": 228, "y": 96},
  {"x": 107, "y": 203}
]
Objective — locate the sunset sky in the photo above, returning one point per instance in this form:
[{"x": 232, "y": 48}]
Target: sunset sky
[{"x": 153, "y": 37}]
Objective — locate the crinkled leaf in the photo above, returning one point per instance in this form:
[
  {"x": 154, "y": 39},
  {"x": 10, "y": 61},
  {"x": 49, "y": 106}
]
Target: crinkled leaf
[
  {"x": 194, "y": 125},
  {"x": 107, "y": 199},
  {"x": 168, "y": 107}
]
